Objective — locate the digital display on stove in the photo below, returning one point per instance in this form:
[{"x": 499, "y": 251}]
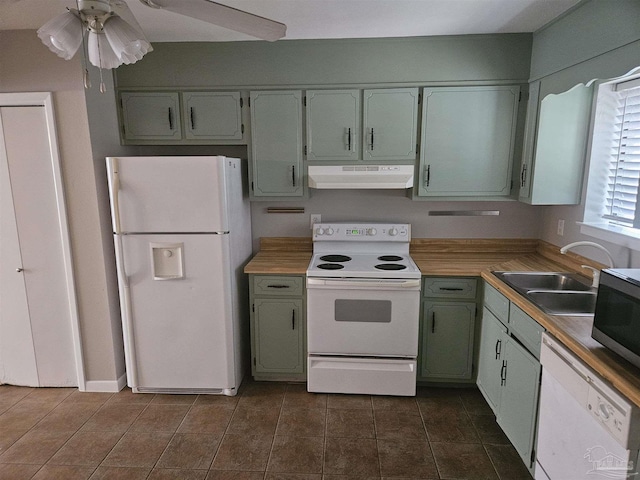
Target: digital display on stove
[{"x": 355, "y": 231}]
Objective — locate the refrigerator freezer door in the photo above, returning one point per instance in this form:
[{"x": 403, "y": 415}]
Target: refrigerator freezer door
[
  {"x": 178, "y": 332},
  {"x": 169, "y": 194}
]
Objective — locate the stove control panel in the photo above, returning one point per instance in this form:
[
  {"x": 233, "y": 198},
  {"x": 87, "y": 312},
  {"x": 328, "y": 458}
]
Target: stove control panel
[{"x": 362, "y": 232}]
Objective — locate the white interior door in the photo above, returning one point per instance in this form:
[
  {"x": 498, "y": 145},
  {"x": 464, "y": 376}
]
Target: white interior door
[{"x": 37, "y": 346}]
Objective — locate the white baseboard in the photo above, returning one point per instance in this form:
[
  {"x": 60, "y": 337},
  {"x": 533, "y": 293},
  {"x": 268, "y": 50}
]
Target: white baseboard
[{"x": 106, "y": 385}]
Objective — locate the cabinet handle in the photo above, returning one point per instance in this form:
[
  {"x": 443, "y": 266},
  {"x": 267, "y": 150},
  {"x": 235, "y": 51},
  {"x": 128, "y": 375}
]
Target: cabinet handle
[
  {"x": 19, "y": 270},
  {"x": 433, "y": 323},
  {"x": 372, "y": 139},
  {"x": 498, "y": 348},
  {"x": 293, "y": 175},
  {"x": 523, "y": 175},
  {"x": 503, "y": 373},
  {"x": 170, "y": 118},
  {"x": 428, "y": 175},
  {"x": 293, "y": 319},
  {"x": 349, "y": 140},
  {"x": 278, "y": 286},
  {"x": 193, "y": 121},
  {"x": 451, "y": 289}
]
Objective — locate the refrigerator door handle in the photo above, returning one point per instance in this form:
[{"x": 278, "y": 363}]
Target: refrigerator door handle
[
  {"x": 114, "y": 186},
  {"x": 127, "y": 313}
]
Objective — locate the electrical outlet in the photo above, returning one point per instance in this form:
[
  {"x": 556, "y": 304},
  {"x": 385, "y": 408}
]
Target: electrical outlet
[
  {"x": 561, "y": 227},
  {"x": 313, "y": 219}
]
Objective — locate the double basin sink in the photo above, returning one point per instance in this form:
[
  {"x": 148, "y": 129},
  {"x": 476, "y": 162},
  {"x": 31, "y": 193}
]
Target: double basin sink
[{"x": 555, "y": 293}]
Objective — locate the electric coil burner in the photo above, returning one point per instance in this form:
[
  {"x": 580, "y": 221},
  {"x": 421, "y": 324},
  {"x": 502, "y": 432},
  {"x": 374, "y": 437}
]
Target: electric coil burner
[{"x": 363, "y": 302}]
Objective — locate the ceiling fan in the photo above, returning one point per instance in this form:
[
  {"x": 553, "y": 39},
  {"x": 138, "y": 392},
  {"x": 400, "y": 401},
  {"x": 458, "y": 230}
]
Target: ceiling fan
[{"x": 114, "y": 37}]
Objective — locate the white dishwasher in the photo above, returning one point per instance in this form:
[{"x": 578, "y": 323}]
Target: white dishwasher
[{"x": 586, "y": 429}]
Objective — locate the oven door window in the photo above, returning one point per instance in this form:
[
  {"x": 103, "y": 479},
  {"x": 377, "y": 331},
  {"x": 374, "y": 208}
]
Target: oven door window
[{"x": 369, "y": 311}]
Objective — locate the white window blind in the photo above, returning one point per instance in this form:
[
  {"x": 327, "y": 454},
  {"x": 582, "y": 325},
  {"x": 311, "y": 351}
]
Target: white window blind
[{"x": 623, "y": 141}]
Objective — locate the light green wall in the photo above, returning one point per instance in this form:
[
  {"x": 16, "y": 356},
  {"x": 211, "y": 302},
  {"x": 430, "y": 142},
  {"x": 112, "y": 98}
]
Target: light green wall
[
  {"x": 592, "y": 29},
  {"x": 422, "y": 60}
]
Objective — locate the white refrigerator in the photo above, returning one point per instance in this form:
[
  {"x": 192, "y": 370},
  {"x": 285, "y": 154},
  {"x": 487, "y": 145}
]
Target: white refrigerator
[{"x": 182, "y": 234}]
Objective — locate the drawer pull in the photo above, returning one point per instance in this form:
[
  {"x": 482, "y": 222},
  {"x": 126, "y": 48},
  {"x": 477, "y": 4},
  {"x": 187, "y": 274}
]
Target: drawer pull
[
  {"x": 452, "y": 289},
  {"x": 498, "y": 348},
  {"x": 278, "y": 286},
  {"x": 293, "y": 319}
]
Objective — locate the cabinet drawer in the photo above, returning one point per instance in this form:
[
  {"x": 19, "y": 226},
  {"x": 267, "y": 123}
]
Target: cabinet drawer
[
  {"x": 496, "y": 303},
  {"x": 277, "y": 285},
  {"x": 526, "y": 329},
  {"x": 443, "y": 287}
]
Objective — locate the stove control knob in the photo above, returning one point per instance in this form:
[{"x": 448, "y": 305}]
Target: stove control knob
[
  {"x": 319, "y": 231},
  {"x": 371, "y": 231},
  {"x": 393, "y": 232},
  {"x": 329, "y": 231}
]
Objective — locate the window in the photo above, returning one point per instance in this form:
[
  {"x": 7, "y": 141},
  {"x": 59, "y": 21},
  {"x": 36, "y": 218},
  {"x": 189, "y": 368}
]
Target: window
[{"x": 612, "y": 208}]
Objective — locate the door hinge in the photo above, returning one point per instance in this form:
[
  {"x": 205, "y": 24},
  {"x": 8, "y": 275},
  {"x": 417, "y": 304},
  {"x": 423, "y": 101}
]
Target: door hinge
[
  {"x": 419, "y": 98},
  {"x": 242, "y": 128},
  {"x": 511, "y": 187},
  {"x": 253, "y": 307},
  {"x": 305, "y": 150},
  {"x": 304, "y": 101},
  {"x": 417, "y": 149},
  {"x": 252, "y": 186},
  {"x": 241, "y": 102},
  {"x": 249, "y": 102},
  {"x": 121, "y": 104},
  {"x": 520, "y": 97}
]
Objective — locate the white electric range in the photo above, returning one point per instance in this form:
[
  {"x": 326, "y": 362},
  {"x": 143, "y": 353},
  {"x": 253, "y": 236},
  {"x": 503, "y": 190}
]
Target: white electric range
[{"x": 363, "y": 303}]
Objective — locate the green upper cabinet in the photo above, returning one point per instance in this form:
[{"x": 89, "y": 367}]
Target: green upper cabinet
[
  {"x": 390, "y": 124},
  {"x": 212, "y": 115},
  {"x": 555, "y": 146},
  {"x": 276, "y": 144},
  {"x": 468, "y": 136},
  {"x": 333, "y": 125},
  {"x": 150, "y": 116}
]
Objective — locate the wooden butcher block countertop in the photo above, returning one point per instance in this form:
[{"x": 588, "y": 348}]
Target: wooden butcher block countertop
[{"x": 478, "y": 258}]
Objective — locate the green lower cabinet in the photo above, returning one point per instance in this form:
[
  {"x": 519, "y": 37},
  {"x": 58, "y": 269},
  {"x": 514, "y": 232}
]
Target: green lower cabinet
[
  {"x": 509, "y": 370},
  {"x": 278, "y": 328},
  {"x": 492, "y": 338},
  {"x": 447, "y": 340},
  {"x": 517, "y": 415},
  {"x": 278, "y": 336}
]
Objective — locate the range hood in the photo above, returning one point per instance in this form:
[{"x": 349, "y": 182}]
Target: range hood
[{"x": 360, "y": 176}]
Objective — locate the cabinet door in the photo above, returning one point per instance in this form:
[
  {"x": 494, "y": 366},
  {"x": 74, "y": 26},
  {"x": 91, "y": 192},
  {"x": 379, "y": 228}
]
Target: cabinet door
[
  {"x": 151, "y": 116},
  {"x": 390, "y": 124},
  {"x": 333, "y": 124},
  {"x": 212, "y": 115},
  {"x": 467, "y": 141},
  {"x": 490, "y": 358},
  {"x": 561, "y": 142},
  {"x": 447, "y": 336},
  {"x": 276, "y": 144},
  {"x": 278, "y": 336},
  {"x": 528, "y": 145},
  {"x": 519, "y": 402}
]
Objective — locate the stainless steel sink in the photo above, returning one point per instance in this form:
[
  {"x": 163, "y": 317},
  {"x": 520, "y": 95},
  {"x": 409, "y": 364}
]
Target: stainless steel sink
[
  {"x": 543, "y": 281},
  {"x": 564, "y": 302},
  {"x": 555, "y": 293}
]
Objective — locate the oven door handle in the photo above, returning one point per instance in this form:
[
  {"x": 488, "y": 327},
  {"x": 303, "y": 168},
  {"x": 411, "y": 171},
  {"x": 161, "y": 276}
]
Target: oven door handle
[{"x": 361, "y": 283}]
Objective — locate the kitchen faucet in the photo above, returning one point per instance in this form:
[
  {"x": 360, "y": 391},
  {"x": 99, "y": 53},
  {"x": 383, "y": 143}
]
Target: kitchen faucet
[{"x": 596, "y": 272}]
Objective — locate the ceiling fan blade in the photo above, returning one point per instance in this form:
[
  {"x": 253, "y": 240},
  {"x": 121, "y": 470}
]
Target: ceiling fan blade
[{"x": 223, "y": 16}]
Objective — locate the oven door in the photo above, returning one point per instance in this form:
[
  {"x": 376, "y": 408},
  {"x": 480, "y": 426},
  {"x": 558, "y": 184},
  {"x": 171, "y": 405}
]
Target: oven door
[{"x": 363, "y": 317}]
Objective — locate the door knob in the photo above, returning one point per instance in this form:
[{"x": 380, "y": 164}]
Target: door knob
[{"x": 19, "y": 270}]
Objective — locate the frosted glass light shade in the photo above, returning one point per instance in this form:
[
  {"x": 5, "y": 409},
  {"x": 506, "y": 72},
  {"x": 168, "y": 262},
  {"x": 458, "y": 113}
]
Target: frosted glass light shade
[
  {"x": 62, "y": 34},
  {"x": 100, "y": 52},
  {"x": 128, "y": 43}
]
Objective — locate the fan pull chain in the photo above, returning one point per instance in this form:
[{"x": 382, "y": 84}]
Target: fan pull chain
[{"x": 86, "y": 80}]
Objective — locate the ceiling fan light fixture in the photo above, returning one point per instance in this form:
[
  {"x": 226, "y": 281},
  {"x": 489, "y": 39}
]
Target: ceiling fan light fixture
[
  {"x": 100, "y": 52},
  {"x": 63, "y": 34},
  {"x": 128, "y": 42}
]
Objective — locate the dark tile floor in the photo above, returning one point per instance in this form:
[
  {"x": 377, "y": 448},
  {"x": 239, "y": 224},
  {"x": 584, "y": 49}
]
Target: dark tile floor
[{"x": 271, "y": 431}]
